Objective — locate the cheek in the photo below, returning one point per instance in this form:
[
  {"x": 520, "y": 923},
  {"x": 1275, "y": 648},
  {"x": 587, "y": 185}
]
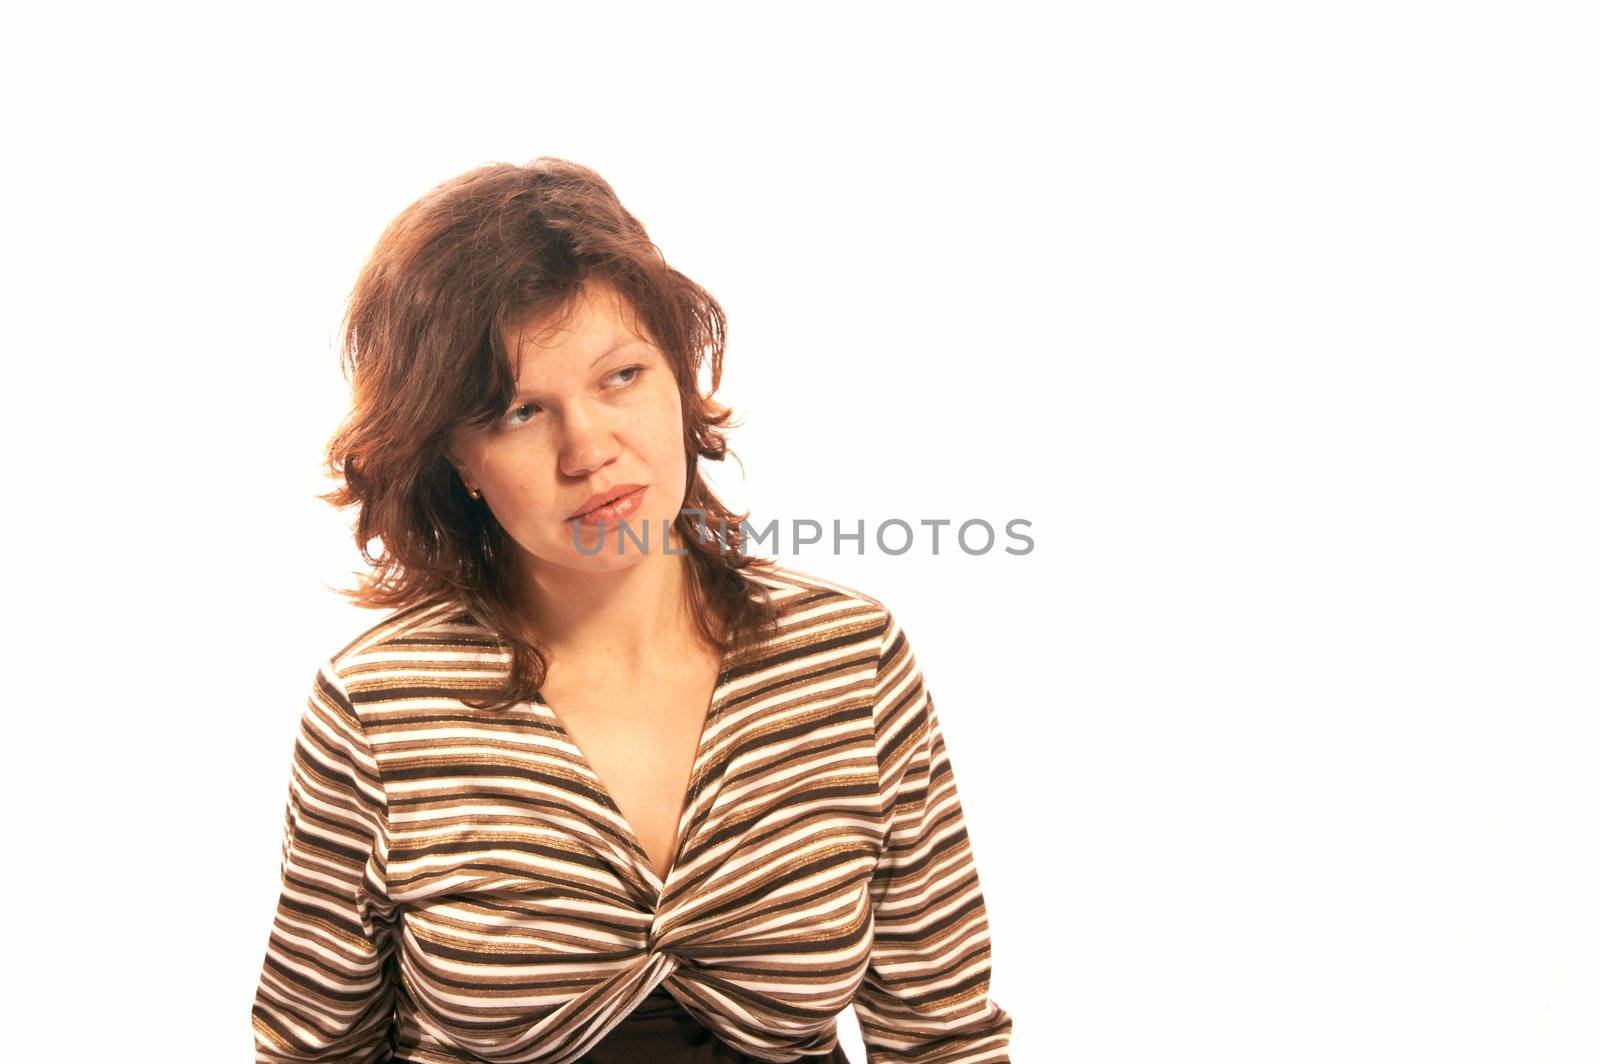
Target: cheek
[
  {"x": 508, "y": 467},
  {"x": 664, "y": 442},
  {"x": 661, "y": 421},
  {"x": 522, "y": 480},
  {"x": 675, "y": 423}
]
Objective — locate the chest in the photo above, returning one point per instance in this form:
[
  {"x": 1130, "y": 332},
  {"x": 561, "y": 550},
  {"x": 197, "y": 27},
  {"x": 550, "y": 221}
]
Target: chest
[{"x": 641, "y": 740}]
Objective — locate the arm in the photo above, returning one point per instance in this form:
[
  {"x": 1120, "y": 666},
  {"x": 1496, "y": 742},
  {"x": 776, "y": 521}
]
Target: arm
[
  {"x": 324, "y": 992},
  {"x": 925, "y": 996}
]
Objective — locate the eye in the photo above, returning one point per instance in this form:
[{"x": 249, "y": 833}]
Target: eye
[
  {"x": 511, "y": 415},
  {"x": 512, "y": 419},
  {"x": 635, "y": 370}
]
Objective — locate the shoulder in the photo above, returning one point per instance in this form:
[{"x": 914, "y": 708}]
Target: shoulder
[
  {"x": 426, "y": 645},
  {"x": 821, "y": 613},
  {"x": 853, "y": 621},
  {"x": 848, "y": 640},
  {"x": 805, "y": 596}
]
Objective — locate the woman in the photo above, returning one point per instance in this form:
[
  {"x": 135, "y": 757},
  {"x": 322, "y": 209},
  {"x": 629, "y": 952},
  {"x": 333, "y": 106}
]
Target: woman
[{"x": 599, "y": 787}]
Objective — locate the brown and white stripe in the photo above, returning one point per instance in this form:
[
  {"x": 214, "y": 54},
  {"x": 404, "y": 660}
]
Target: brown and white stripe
[{"x": 458, "y": 886}]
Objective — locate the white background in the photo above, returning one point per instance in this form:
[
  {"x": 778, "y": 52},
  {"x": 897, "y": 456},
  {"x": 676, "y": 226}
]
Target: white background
[{"x": 1277, "y": 321}]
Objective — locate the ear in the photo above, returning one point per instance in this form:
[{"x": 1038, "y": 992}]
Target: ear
[{"x": 452, "y": 454}]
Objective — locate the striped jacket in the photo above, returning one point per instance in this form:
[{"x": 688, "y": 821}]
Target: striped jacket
[{"x": 458, "y": 886}]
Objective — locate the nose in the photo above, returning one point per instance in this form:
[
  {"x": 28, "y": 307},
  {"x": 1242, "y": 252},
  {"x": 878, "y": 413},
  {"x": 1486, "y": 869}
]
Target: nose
[{"x": 587, "y": 442}]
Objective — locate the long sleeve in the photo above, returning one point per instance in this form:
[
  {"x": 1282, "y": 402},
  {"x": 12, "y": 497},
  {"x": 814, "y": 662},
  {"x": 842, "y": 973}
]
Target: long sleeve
[
  {"x": 326, "y": 992},
  {"x": 925, "y": 996}
]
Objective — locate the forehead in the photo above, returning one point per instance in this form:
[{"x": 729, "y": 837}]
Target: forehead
[{"x": 598, "y": 320}]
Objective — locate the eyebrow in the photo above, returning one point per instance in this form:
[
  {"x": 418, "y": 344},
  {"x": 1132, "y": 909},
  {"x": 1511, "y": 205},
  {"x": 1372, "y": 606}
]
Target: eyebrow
[{"x": 626, "y": 343}]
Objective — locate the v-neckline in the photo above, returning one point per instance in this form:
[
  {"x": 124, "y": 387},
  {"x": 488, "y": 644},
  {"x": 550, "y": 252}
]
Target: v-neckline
[{"x": 641, "y": 857}]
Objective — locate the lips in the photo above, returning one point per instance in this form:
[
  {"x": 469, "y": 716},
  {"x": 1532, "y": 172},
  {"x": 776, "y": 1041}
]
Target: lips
[{"x": 610, "y": 495}]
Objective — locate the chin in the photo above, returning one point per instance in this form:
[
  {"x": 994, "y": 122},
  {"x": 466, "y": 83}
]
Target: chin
[{"x": 608, "y": 555}]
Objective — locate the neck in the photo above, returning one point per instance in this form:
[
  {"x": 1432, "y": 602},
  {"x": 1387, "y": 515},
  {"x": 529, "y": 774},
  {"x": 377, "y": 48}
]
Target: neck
[{"x": 623, "y": 616}]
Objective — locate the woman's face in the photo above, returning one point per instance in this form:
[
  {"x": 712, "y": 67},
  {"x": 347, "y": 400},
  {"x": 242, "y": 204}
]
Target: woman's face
[{"x": 596, "y": 409}]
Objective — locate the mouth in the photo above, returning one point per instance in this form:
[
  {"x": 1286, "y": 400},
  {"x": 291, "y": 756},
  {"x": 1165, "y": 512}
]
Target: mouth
[{"x": 614, "y": 508}]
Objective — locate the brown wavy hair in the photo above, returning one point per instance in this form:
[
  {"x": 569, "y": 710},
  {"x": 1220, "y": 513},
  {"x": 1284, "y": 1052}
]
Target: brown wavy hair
[{"x": 423, "y": 351}]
